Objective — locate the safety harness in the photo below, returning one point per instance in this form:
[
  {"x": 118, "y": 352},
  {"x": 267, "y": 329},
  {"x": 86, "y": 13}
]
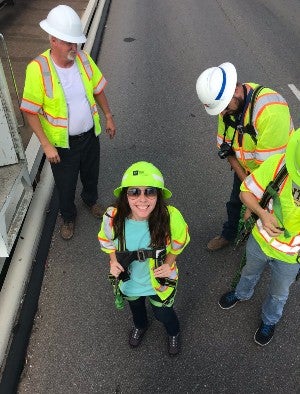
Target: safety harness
[
  {"x": 126, "y": 257},
  {"x": 237, "y": 123}
]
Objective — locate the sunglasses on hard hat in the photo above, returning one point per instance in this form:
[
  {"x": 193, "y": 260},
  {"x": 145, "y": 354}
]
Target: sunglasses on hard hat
[{"x": 135, "y": 192}]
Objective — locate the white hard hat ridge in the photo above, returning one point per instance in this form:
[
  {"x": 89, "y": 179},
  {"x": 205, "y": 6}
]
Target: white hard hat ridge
[
  {"x": 215, "y": 87},
  {"x": 63, "y": 23}
]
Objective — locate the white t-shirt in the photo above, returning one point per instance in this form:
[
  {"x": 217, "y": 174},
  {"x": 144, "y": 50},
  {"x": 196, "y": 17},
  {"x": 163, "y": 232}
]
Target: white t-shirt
[{"x": 80, "y": 117}]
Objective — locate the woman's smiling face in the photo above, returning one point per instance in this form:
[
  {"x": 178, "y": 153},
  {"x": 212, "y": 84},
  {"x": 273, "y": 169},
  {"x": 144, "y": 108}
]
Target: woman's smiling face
[{"x": 142, "y": 205}]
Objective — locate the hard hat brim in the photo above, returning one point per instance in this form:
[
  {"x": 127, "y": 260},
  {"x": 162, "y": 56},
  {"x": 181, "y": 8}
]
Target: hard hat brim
[
  {"x": 290, "y": 156},
  {"x": 64, "y": 37}
]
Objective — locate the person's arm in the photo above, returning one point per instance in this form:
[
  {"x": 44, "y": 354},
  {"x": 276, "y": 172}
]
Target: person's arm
[
  {"x": 103, "y": 103},
  {"x": 237, "y": 168},
  {"x": 268, "y": 220},
  {"x": 115, "y": 266},
  {"x": 49, "y": 150}
]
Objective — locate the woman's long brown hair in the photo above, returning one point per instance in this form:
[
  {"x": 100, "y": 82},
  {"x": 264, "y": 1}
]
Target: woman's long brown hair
[{"x": 159, "y": 219}]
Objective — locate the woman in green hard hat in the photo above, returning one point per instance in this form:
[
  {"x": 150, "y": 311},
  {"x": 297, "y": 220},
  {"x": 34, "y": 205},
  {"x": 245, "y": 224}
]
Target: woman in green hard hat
[
  {"x": 150, "y": 235},
  {"x": 275, "y": 239}
]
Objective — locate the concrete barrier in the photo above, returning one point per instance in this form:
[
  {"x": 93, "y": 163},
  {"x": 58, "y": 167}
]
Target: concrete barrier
[{"x": 12, "y": 292}]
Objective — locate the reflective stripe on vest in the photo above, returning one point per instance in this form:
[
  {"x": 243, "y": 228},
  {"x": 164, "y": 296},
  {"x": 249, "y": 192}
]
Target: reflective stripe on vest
[
  {"x": 89, "y": 72},
  {"x": 55, "y": 122},
  {"x": 30, "y": 106},
  {"x": 262, "y": 155},
  {"x": 291, "y": 248},
  {"x": 176, "y": 245},
  {"x": 108, "y": 229},
  {"x": 263, "y": 100},
  {"x": 101, "y": 85},
  {"x": 244, "y": 155},
  {"x": 86, "y": 64},
  {"x": 46, "y": 75}
]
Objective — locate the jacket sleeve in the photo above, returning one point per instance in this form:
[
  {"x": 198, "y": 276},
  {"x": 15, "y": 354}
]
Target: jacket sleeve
[
  {"x": 179, "y": 231},
  {"x": 98, "y": 80},
  {"x": 105, "y": 235},
  {"x": 259, "y": 179},
  {"x": 33, "y": 93}
]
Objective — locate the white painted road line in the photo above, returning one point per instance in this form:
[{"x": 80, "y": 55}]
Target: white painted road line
[{"x": 295, "y": 91}]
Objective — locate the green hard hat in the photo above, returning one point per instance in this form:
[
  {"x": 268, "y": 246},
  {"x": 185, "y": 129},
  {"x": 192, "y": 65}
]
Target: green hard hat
[
  {"x": 143, "y": 173},
  {"x": 292, "y": 157}
]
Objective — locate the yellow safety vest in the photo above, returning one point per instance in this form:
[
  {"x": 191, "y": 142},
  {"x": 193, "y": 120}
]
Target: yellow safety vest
[
  {"x": 43, "y": 95},
  {"x": 272, "y": 123},
  {"x": 280, "y": 248},
  {"x": 179, "y": 239}
]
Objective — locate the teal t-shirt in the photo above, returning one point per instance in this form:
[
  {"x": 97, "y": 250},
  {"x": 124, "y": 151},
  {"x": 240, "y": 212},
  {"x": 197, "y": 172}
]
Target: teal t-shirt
[{"x": 137, "y": 236}]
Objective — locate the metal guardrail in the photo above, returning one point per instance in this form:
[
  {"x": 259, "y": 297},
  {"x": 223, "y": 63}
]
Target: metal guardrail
[{"x": 16, "y": 190}]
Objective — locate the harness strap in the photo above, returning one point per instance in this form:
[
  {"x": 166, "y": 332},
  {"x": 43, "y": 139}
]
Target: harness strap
[{"x": 249, "y": 128}]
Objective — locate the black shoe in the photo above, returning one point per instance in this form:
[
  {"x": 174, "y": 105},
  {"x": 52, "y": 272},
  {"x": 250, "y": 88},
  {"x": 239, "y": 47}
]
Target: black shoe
[
  {"x": 228, "y": 300},
  {"x": 173, "y": 345},
  {"x": 136, "y": 336},
  {"x": 264, "y": 334}
]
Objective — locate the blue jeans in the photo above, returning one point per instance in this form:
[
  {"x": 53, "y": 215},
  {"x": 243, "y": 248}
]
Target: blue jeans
[
  {"x": 282, "y": 276},
  {"x": 233, "y": 206}
]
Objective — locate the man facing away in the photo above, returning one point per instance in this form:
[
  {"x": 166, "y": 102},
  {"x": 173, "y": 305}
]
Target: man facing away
[
  {"x": 254, "y": 123},
  {"x": 62, "y": 89}
]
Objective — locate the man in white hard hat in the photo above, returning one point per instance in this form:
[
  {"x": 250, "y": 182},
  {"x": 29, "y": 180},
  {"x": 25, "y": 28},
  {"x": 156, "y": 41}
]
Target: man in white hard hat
[
  {"x": 254, "y": 123},
  {"x": 62, "y": 89},
  {"x": 275, "y": 238}
]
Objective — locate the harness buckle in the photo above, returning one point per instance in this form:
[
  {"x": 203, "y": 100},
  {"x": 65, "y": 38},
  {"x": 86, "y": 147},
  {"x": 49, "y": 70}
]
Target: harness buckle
[{"x": 141, "y": 256}]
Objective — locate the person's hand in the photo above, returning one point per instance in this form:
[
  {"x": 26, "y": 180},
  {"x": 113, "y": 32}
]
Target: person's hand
[
  {"x": 52, "y": 154},
  {"x": 110, "y": 127},
  {"x": 163, "y": 271},
  {"x": 247, "y": 214},
  {"x": 115, "y": 268},
  {"x": 270, "y": 224}
]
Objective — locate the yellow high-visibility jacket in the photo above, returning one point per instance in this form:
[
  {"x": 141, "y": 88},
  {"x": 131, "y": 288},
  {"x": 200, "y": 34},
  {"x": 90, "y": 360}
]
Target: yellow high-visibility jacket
[
  {"x": 272, "y": 123},
  {"x": 280, "y": 248},
  {"x": 43, "y": 95},
  {"x": 179, "y": 239}
]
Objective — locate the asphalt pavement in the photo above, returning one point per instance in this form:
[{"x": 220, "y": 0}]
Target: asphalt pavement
[{"x": 151, "y": 55}]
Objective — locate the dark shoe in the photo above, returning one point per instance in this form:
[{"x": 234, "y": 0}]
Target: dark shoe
[
  {"x": 136, "y": 336},
  {"x": 264, "y": 334},
  {"x": 67, "y": 230},
  {"x": 217, "y": 243},
  {"x": 173, "y": 345},
  {"x": 97, "y": 211},
  {"x": 228, "y": 300}
]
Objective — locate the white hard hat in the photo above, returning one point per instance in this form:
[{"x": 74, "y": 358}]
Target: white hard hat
[
  {"x": 62, "y": 22},
  {"x": 215, "y": 87}
]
